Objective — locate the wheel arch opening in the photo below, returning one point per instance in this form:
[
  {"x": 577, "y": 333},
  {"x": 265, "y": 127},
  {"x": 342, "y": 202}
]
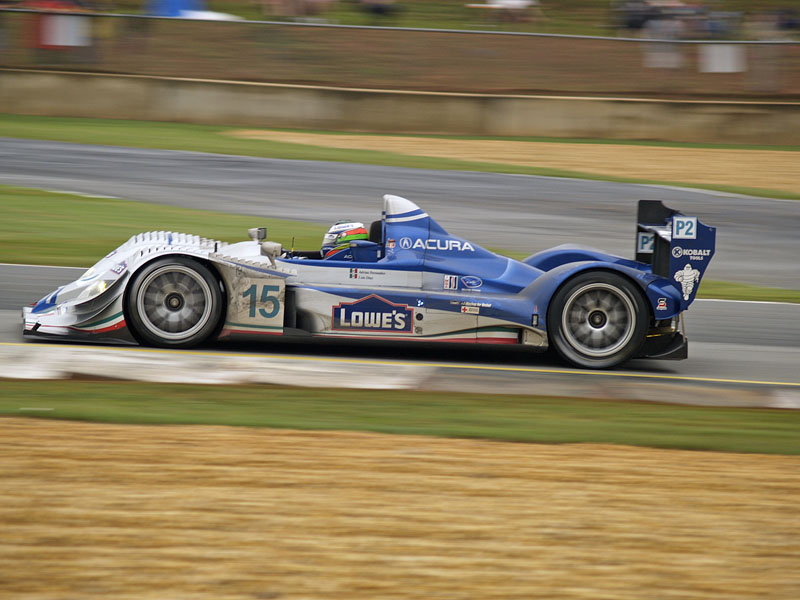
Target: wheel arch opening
[{"x": 204, "y": 262}]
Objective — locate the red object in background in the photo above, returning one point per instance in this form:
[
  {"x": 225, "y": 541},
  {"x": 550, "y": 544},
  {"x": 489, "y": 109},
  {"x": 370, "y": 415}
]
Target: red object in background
[{"x": 47, "y": 27}]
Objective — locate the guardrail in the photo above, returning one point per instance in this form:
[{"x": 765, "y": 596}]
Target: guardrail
[{"x": 398, "y": 59}]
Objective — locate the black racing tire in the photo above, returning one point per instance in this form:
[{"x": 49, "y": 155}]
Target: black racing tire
[
  {"x": 597, "y": 320},
  {"x": 174, "y": 302}
]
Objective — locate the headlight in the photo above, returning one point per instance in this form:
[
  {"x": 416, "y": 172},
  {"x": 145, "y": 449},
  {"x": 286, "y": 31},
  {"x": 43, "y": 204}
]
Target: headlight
[{"x": 93, "y": 290}]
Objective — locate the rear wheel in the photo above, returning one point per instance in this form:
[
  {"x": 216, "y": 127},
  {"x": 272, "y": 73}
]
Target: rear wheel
[
  {"x": 597, "y": 320},
  {"x": 174, "y": 302}
]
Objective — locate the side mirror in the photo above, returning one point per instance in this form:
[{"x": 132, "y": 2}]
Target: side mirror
[
  {"x": 271, "y": 250},
  {"x": 257, "y": 234}
]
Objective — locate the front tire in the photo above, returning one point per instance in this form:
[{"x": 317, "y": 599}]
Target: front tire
[
  {"x": 597, "y": 320},
  {"x": 174, "y": 302}
]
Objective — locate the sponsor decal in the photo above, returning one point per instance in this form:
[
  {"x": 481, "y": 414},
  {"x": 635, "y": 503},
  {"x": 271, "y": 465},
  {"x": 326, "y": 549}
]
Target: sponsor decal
[
  {"x": 450, "y": 282},
  {"x": 684, "y": 228},
  {"x": 662, "y": 304},
  {"x": 407, "y": 243},
  {"x": 390, "y": 243},
  {"x": 420, "y": 303},
  {"x": 687, "y": 277},
  {"x": 372, "y": 313},
  {"x": 644, "y": 242},
  {"x": 471, "y": 282},
  {"x": 364, "y": 274},
  {"x": 472, "y": 310},
  {"x": 470, "y": 303},
  {"x": 119, "y": 268},
  {"x": 691, "y": 253}
]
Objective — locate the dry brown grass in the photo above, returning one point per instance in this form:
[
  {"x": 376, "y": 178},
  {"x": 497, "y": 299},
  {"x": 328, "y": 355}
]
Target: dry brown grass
[
  {"x": 767, "y": 169},
  {"x": 110, "y": 511}
]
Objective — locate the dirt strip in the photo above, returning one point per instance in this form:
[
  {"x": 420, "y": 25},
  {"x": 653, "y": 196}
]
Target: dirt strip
[
  {"x": 768, "y": 169},
  {"x": 124, "y": 512}
]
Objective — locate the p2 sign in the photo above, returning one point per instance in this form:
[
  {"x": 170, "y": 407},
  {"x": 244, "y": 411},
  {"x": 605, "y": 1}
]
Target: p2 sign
[
  {"x": 684, "y": 228},
  {"x": 644, "y": 242}
]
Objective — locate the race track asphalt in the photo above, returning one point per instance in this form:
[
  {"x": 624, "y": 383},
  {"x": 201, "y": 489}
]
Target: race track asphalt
[
  {"x": 733, "y": 345},
  {"x": 735, "y": 348},
  {"x": 758, "y": 240}
]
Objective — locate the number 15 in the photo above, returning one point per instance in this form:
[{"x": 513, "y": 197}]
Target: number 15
[{"x": 265, "y": 297}]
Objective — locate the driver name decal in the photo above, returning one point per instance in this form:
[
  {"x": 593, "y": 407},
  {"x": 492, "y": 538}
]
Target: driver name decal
[{"x": 372, "y": 313}]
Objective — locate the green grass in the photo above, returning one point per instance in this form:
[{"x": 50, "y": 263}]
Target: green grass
[
  {"x": 507, "y": 418},
  {"x": 212, "y": 138},
  {"x": 79, "y": 231},
  {"x": 729, "y": 290},
  {"x": 38, "y": 227}
]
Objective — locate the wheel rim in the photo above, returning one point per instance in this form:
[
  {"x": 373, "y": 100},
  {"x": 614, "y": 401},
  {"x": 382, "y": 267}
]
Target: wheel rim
[
  {"x": 174, "y": 302},
  {"x": 598, "y": 319}
]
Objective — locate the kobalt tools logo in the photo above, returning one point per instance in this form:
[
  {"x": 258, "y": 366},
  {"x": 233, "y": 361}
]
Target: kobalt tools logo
[
  {"x": 691, "y": 253},
  {"x": 373, "y": 313},
  {"x": 407, "y": 243}
]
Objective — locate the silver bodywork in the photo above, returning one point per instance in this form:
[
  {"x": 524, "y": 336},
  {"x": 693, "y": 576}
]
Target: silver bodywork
[{"x": 264, "y": 297}]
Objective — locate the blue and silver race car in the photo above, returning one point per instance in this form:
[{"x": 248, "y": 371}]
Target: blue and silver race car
[{"x": 409, "y": 281}]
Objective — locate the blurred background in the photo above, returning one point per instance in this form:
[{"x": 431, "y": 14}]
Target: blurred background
[
  {"x": 114, "y": 512},
  {"x": 716, "y": 48}
]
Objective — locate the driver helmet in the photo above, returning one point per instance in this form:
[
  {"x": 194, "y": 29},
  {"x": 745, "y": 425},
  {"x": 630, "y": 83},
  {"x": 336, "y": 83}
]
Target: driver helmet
[{"x": 340, "y": 235}]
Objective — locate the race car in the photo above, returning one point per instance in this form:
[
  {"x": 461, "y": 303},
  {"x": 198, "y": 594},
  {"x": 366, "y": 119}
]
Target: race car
[{"x": 409, "y": 281}]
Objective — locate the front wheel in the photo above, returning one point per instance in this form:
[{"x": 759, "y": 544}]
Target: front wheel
[
  {"x": 597, "y": 320},
  {"x": 174, "y": 302}
]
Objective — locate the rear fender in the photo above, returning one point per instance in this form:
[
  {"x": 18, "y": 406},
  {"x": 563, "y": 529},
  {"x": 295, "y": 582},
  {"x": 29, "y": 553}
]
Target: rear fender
[
  {"x": 573, "y": 253},
  {"x": 544, "y": 288}
]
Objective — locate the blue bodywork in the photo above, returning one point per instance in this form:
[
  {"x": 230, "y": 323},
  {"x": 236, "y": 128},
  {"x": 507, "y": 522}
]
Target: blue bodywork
[{"x": 413, "y": 241}]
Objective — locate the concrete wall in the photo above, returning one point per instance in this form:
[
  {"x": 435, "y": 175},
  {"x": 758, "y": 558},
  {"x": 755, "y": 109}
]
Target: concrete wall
[{"x": 271, "y": 105}]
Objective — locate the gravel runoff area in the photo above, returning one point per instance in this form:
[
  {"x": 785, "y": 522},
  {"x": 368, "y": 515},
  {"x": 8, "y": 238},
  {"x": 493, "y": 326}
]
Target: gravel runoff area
[
  {"x": 134, "y": 512},
  {"x": 767, "y": 169}
]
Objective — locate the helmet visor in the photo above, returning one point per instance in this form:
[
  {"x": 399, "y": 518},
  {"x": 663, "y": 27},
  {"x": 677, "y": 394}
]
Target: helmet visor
[{"x": 329, "y": 239}]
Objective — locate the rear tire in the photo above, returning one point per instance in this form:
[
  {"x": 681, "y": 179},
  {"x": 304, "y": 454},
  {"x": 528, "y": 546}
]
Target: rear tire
[
  {"x": 597, "y": 320},
  {"x": 174, "y": 302}
]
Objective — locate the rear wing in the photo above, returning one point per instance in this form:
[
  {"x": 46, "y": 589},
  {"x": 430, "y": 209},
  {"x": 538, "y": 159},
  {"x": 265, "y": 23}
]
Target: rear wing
[{"x": 678, "y": 247}]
